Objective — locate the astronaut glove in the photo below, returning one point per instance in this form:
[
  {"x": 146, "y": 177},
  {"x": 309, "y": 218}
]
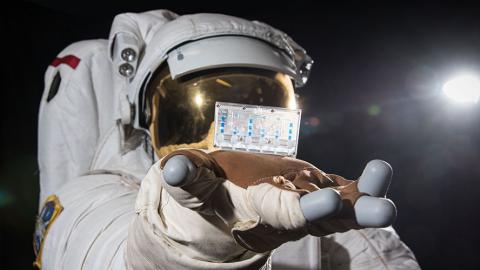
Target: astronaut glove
[{"x": 259, "y": 197}]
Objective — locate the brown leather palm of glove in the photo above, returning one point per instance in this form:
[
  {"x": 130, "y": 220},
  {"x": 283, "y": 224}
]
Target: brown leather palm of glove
[{"x": 286, "y": 175}]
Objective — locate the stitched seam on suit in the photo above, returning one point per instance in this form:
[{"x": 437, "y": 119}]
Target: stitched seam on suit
[{"x": 374, "y": 249}]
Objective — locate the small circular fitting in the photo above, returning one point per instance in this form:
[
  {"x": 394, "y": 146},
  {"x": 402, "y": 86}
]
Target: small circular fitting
[
  {"x": 180, "y": 56},
  {"x": 125, "y": 70},
  {"x": 129, "y": 55}
]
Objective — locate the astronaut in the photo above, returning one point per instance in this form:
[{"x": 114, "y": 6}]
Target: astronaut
[{"x": 116, "y": 113}]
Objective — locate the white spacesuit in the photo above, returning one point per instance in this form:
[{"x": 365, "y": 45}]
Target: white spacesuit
[{"x": 112, "y": 109}]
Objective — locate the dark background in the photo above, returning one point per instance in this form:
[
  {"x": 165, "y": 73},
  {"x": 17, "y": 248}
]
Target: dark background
[{"x": 374, "y": 92}]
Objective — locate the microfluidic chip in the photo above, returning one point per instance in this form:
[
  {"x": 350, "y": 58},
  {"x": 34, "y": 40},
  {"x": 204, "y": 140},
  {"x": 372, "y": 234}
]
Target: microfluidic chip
[{"x": 260, "y": 129}]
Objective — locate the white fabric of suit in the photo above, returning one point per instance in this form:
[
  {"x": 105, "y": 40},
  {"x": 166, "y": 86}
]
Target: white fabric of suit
[{"x": 97, "y": 167}]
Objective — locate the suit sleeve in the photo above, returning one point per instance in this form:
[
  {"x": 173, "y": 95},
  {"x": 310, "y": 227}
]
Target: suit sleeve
[{"x": 367, "y": 249}]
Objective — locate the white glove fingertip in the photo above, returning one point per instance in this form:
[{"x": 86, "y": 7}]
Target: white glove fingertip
[
  {"x": 375, "y": 212},
  {"x": 179, "y": 171},
  {"x": 320, "y": 204},
  {"x": 376, "y": 178}
]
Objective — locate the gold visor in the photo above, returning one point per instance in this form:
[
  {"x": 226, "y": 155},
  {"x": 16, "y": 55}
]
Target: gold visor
[{"x": 182, "y": 110}]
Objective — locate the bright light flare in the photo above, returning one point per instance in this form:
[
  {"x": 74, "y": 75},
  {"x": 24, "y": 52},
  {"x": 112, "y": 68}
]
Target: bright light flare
[
  {"x": 198, "y": 100},
  {"x": 464, "y": 89}
]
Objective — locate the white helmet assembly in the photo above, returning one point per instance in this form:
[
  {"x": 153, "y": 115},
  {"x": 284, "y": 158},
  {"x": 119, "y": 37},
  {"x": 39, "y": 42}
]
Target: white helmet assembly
[{"x": 216, "y": 48}]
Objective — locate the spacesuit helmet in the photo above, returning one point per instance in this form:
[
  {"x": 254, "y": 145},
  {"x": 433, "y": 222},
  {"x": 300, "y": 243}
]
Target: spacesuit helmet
[
  {"x": 184, "y": 64},
  {"x": 181, "y": 96}
]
